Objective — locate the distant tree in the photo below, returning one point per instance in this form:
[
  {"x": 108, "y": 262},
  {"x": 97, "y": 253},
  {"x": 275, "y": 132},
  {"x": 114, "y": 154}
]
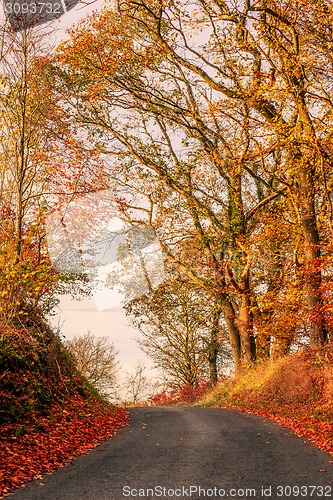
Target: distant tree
[
  {"x": 180, "y": 332},
  {"x": 137, "y": 383},
  {"x": 96, "y": 359}
]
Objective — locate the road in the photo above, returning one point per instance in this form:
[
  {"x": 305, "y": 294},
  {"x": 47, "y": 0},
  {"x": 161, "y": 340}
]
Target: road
[{"x": 173, "y": 452}]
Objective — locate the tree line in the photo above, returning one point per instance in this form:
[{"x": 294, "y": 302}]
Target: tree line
[{"x": 219, "y": 117}]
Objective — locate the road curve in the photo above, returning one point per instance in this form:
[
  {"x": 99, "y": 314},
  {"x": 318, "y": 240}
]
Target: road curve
[{"x": 172, "y": 452}]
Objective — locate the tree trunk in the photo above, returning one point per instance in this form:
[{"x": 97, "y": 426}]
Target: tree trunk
[
  {"x": 245, "y": 323},
  {"x": 313, "y": 278},
  {"x": 213, "y": 348},
  {"x": 235, "y": 341},
  {"x": 281, "y": 346},
  {"x": 212, "y": 361}
]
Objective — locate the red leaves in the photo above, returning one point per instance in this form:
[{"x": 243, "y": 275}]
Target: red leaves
[
  {"x": 318, "y": 433},
  {"x": 188, "y": 394},
  {"x": 38, "y": 446}
]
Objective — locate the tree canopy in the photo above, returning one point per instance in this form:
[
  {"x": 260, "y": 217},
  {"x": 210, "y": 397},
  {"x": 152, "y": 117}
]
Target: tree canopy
[
  {"x": 211, "y": 122},
  {"x": 219, "y": 115}
]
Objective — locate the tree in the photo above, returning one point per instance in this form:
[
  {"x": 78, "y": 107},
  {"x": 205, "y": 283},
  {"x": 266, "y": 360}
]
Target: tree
[
  {"x": 137, "y": 383},
  {"x": 26, "y": 276},
  {"x": 262, "y": 36},
  {"x": 96, "y": 359},
  {"x": 216, "y": 131},
  {"x": 41, "y": 169},
  {"x": 180, "y": 333},
  {"x": 177, "y": 176}
]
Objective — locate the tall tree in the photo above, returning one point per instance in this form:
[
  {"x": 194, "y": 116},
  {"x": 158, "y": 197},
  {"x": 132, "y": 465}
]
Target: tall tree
[
  {"x": 41, "y": 167},
  {"x": 212, "y": 150},
  {"x": 221, "y": 110},
  {"x": 26, "y": 277},
  {"x": 276, "y": 77}
]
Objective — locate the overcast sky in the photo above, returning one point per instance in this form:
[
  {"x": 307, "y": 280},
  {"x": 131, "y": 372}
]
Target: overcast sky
[{"x": 77, "y": 317}]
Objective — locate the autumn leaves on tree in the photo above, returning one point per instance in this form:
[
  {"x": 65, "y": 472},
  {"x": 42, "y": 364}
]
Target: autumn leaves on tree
[
  {"x": 43, "y": 167},
  {"x": 211, "y": 123},
  {"x": 220, "y": 115}
]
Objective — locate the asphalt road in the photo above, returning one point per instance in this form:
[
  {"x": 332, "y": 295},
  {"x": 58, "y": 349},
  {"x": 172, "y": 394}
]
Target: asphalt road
[{"x": 171, "y": 453}]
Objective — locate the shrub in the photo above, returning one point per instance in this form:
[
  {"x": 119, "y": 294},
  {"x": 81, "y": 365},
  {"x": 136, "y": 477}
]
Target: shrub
[
  {"x": 187, "y": 394},
  {"x": 36, "y": 371}
]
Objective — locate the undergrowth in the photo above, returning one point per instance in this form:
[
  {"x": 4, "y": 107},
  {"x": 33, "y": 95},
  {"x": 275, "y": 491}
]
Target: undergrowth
[
  {"x": 35, "y": 371},
  {"x": 189, "y": 394}
]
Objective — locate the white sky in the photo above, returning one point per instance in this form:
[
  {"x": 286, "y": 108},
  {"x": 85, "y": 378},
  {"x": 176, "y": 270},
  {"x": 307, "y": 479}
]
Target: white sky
[
  {"x": 77, "y": 317},
  {"x": 73, "y": 16}
]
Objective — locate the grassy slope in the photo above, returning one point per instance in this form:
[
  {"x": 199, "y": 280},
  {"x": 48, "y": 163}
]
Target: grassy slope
[
  {"x": 48, "y": 412},
  {"x": 296, "y": 391}
]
